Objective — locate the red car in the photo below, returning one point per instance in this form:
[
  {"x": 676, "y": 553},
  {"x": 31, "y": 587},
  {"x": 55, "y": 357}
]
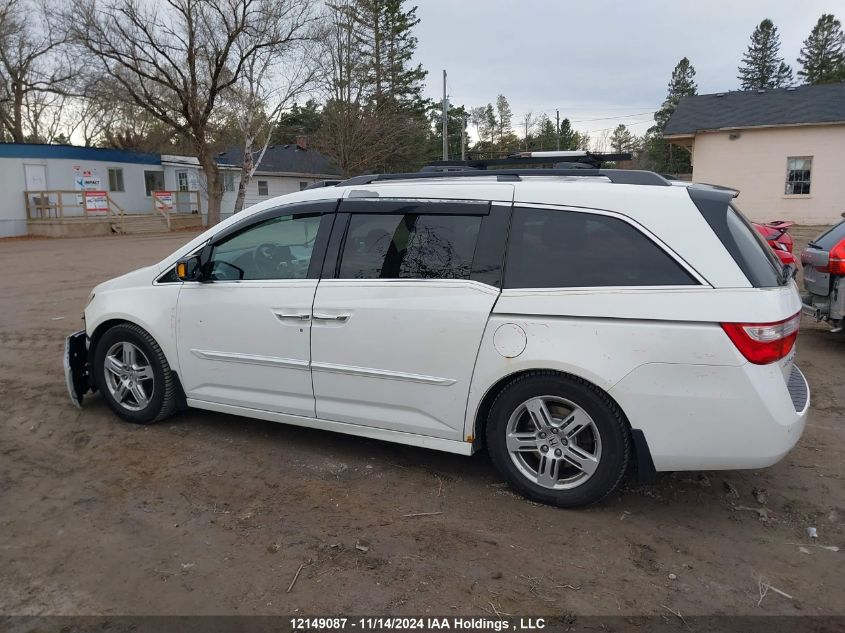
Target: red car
[{"x": 776, "y": 234}]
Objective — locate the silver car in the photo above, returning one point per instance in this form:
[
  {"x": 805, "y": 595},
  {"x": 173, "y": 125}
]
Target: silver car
[{"x": 824, "y": 277}]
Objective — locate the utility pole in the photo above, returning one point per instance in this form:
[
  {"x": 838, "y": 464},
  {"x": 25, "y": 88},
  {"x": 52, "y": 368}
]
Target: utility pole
[
  {"x": 557, "y": 128},
  {"x": 445, "y": 120}
]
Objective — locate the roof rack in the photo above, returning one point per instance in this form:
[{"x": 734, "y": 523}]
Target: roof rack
[
  {"x": 617, "y": 176},
  {"x": 560, "y": 159}
]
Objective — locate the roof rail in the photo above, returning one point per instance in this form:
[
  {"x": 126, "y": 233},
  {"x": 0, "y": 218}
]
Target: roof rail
[{"x": 618, "y": 176}]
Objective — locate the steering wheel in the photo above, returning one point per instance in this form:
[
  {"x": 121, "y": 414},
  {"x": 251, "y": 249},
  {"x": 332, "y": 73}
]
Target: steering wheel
[{"x": 268, "y": 259}]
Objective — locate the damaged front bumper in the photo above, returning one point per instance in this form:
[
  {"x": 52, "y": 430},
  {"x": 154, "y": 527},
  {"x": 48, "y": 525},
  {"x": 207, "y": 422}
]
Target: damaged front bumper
[{"x": 77, "y": 374}]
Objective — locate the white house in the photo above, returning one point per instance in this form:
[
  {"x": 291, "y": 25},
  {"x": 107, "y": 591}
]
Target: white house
[
  {"x": 283, "y": 169},
  {"x": 782, "y": 149}
]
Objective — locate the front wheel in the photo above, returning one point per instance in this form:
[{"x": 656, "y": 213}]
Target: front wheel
[
  {"x": 134, "y": 375},
  {"x": 558, "y": 440}
]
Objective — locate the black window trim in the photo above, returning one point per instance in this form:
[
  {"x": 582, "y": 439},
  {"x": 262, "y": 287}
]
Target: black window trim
[
  {"x": 324, "y": 208},
  {"x": 645, "y": 232},
  {"x": 491, "y": 242}
]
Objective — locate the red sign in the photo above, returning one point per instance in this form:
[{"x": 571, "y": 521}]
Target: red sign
[{"x": 96, "y": 201}]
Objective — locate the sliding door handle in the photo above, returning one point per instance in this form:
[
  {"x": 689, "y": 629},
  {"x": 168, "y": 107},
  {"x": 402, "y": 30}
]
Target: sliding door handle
[{"x": 341, "y": 318}]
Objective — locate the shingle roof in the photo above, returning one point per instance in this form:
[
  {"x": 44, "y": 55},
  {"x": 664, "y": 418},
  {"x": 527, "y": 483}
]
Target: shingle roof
[
  {"x": 782, "y": 106},
  {"x": 285, "y": 159}
]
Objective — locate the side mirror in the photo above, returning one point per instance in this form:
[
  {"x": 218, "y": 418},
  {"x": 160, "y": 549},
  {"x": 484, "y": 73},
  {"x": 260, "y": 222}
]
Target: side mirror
[{"x": 189, "y": 268}]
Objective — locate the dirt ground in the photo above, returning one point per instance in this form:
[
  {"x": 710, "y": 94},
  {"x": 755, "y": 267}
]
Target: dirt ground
[{"x": 212, "y": 514}]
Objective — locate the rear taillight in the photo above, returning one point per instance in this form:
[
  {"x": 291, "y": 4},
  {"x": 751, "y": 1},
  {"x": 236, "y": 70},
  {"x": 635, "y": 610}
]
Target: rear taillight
[
  {"x": 836, "y": 260},
  {"x": 763, "y": 343}
]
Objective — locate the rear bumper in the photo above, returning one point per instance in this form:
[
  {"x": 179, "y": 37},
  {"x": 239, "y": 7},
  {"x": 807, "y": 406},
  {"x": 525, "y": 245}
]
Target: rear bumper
[
  {"x": 77, "y": 376},
  {"x": 700, "y": 417}
]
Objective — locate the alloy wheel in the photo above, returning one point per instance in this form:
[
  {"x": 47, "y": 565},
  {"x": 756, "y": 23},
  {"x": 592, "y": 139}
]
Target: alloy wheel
[
  {"x": 553, "y": 442},
  {"x": 129, "y": 376}
]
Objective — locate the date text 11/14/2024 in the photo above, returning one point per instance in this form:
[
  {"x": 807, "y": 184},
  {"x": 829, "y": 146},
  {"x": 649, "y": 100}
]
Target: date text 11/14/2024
[{"x": 378, "y": 623}]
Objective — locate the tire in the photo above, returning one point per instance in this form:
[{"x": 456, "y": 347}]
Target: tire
[
  {"x": 142, "y": 392},
  {"x": 558, "y": 440}
]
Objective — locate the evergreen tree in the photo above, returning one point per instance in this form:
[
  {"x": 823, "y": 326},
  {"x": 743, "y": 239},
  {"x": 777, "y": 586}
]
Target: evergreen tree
[
  {"x": 305, "y": 120},
  {"x": 505, "y": 116},
  {"x": 546, "y": 138},
  {"x": 622, "y": 139},
  {"x": 658, "y": 154},
  {"x": 682, "y": 84},
  {"x": 822, "y": 57},
  {"x": 491, "y": 123},
  {"x": 762, "y": 66},
  {"x": 569, "y": 139}
]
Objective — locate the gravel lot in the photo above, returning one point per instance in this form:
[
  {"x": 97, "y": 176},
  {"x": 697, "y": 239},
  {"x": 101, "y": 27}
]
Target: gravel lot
[{"x": 212, "y": 514}]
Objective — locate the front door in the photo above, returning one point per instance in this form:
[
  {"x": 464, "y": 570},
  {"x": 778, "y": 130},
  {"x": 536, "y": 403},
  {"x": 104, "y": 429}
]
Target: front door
[
  {"x": 244, "y": 336},
  {"x": 396, "y": 332}
]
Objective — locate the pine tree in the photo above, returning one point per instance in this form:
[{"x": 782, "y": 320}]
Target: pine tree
[
  {"x": 568, "y": 136},
  {"x": 622, "y": 139},
  {"x": 822, "y": 57},
  {"x": 657, "y": 150},
  {"x": 545, "y": 139},
  {"x": 682, "y": 84},
  {"x": 491, "y": 123},
  {"x": 503, "y": 111},
  {"x": 384, "y": 32},
  {"x": 762, "y": 66}
]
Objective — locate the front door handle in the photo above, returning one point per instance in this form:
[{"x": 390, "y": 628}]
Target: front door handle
[
  {"x": 321, "y": 316},
  {"x": 284, "y": 315}
]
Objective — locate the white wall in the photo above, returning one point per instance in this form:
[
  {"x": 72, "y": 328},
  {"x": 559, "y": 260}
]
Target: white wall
[
  {"x": 276, "y": 186},
  {"x": 755, "y": 163}
]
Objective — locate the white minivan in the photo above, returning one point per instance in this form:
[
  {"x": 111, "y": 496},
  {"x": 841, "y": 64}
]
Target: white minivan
[{"x": 579, "y": 324}]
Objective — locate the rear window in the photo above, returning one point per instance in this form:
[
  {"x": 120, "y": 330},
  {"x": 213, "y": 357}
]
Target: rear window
[
  {"x": 758, "y": 260},
  {"x": 745, "y": 245},
  {"x": 831, "y": 237}
]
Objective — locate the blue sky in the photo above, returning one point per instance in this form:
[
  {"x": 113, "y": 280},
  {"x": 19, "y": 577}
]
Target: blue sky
[{"x": 606, "y": 60}]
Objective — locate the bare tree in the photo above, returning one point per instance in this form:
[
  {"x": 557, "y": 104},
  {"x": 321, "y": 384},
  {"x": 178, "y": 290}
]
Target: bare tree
[
  {"x": 271, "y": 80},
  {"x": 528, "y": 122},
  {"x": 34, "y": 73},
  {"x": 174, "y": 59}
]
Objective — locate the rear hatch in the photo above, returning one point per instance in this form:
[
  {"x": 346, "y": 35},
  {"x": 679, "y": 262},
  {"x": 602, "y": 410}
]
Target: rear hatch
[
  {"x": 816, "y": 258},
  {"x": 760, "y": 343}
]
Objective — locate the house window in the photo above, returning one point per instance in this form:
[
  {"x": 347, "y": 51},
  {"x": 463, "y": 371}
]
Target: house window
[
  {"x": 263, "y": 189},
  {"x": 116, "y": 180},
  {"x": 182, "y": 180},
  {"x": 153, "y": 181},
  {"x": 228, "y": 181},
  {"x": 303, "y": 185},
  {"x": 798, "y": 170}
]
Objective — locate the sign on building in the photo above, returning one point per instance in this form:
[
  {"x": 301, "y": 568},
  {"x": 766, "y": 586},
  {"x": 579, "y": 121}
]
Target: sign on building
[
  {"x": 85, "y": 180},
  {"x": 96, "y": 201},
  {"x": 163, "y": 201}
]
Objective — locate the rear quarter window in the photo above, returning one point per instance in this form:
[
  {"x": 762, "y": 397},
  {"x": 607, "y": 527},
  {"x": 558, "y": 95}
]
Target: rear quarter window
[{"x": 571, "y": 249}]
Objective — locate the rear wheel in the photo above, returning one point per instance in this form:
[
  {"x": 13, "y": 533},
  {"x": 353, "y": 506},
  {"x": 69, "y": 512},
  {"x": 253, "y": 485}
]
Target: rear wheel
[
  {"x": 558, "y": 440},
  {"x": 134, "y": 375}
]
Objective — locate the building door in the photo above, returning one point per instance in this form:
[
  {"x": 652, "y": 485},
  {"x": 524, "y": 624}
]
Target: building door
[{"x": 36, "y": 177}]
